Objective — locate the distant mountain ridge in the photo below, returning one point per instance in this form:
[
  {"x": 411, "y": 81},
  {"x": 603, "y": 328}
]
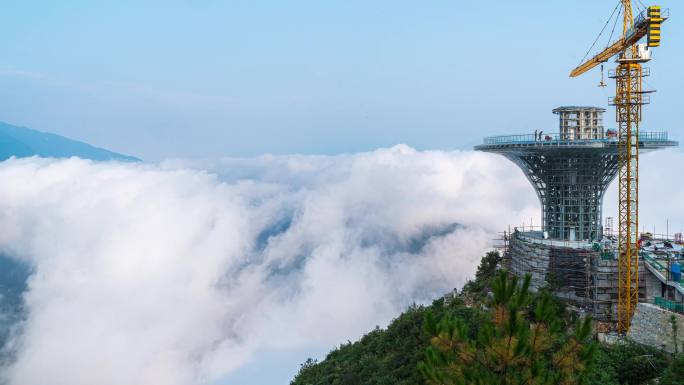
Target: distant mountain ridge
[{"x": 24, "y": 142}]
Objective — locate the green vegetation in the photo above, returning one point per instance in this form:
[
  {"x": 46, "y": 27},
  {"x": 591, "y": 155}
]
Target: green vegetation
[
  {"x": 421, "y": 345},
  {"x": 675, "y": 330},
  {"x": 674, "y": 374},
  {"x": 485, "y": 274},
  {"x": 626, "y": 363},
  {"x": 386, "y": 357},
  {"x": 522, "y": 340}
]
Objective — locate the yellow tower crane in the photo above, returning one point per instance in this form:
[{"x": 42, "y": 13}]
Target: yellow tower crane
[{"x": 628, "y": 101}]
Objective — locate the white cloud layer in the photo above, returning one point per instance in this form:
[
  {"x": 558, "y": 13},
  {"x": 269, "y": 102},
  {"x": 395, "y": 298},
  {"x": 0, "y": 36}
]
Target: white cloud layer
[{"x": 177, "y": 273}]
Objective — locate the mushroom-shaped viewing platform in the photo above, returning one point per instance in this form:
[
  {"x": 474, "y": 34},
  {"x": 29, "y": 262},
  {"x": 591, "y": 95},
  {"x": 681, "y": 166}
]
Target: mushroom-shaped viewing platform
[{"x": 570, "y": 170}]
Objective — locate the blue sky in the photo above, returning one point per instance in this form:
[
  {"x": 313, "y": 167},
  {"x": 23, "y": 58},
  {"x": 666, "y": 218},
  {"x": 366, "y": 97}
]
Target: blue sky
[{"x": 211, "y": 78}]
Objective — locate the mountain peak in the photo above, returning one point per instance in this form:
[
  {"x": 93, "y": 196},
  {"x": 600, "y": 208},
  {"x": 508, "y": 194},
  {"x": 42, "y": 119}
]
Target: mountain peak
[{"x": 25, "y": 142}]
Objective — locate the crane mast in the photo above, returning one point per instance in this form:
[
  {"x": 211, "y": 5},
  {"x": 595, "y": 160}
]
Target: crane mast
[{"x": 628, "y": 101}]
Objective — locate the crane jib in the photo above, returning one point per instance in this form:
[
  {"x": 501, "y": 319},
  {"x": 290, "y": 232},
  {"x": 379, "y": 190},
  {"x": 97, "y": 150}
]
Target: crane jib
[{"x": 647, "y": 24}]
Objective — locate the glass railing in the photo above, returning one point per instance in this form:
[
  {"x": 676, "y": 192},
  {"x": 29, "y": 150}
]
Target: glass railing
[
  {"x": 536, "y": 235},
  {"x": 555, "y": 138}
]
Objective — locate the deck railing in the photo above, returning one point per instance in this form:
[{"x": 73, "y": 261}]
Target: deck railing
[
  {"x": 536, "y": 235},
  {"x": 644, "y": 136},
  {"x": 669, "y": 305}
]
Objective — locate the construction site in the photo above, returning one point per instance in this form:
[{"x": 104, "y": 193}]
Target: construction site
[{"x": 598, "y": 269}]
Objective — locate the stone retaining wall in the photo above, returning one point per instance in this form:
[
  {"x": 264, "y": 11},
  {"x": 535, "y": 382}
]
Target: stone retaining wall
[{"x": 651, "y": 326}]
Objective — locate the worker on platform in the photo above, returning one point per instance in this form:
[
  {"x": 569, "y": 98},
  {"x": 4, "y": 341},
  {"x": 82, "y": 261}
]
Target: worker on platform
[{"x": 535, "y": 135}]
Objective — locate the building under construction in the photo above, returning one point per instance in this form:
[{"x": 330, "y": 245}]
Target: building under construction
[{"x": 572, "y": 252}]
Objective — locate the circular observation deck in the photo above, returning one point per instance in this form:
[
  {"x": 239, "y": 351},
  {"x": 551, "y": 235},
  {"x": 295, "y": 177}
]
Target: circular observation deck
[
  {"x": 570, "y": 175},
  {"x": 648, "y": 140}
]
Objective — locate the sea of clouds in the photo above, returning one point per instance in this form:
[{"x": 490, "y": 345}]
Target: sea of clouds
[{"x": 180, "y": 272}]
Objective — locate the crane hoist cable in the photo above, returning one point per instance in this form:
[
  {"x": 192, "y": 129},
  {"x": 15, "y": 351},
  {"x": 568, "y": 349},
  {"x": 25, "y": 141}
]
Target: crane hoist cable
[{"x": 601, "y": 33}]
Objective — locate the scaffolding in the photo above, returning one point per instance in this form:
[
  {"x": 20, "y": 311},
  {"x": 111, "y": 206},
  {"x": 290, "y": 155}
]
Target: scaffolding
[
  {"x": 583, "y": 274},
  {"x": 570, "y": 184}
]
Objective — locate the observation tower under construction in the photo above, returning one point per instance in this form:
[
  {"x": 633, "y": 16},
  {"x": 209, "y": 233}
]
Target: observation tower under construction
[{"x": 570, "y": 171}]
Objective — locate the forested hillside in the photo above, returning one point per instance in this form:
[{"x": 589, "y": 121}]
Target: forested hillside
[{"x": 392, "y": 355}]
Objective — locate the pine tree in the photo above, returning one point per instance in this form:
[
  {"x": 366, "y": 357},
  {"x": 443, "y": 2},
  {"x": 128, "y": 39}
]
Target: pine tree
[{"x": 522, "y": 341}]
